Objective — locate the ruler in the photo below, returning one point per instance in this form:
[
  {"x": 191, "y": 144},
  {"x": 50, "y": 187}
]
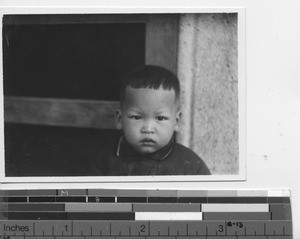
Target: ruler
[{"x": 145, "y": 214}]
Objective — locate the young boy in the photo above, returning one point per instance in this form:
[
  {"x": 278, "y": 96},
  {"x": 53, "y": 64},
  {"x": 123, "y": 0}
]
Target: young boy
[{"x": 149, "y": 116}]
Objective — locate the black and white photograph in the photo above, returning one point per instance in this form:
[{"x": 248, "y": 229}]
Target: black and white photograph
[
  {"x": 124, "y": 96},
  {"x": 110, "y": 106}
]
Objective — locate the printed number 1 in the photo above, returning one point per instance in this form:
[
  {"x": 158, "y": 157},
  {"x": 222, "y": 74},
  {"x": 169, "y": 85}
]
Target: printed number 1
[{"x": 66, "y": 226}]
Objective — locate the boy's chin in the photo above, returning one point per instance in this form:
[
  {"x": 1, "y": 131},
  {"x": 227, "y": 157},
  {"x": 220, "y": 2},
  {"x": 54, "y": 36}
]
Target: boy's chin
[{"x": 146, "y": 150}]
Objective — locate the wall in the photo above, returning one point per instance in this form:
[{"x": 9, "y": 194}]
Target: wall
[{"x": 208, "y": 71}]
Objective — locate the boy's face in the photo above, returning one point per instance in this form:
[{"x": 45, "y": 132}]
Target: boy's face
[{"x": 148, "y": 118}]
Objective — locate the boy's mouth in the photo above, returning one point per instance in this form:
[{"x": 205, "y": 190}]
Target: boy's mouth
[{"x": 147, "y": 141}]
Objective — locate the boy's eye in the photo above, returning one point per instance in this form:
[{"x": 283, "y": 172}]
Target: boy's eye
[
  {"x": 161, "y": 118},
  {"x": 135, "y": 117}
]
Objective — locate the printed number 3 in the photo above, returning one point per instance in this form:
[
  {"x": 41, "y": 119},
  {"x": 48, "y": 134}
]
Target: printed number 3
[{"x": 221, "y": 228}]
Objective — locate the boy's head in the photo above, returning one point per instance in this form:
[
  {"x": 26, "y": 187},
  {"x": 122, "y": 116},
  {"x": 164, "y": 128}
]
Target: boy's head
[{"x": 149, "y": 108}]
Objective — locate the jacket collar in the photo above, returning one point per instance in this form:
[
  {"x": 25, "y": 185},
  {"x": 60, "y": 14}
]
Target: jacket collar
[{"x": 124, "y": 149}]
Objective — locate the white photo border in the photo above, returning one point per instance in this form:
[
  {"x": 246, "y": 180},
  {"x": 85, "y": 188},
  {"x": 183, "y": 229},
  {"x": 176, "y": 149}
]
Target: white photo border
[{"x": 241, "y": 12}]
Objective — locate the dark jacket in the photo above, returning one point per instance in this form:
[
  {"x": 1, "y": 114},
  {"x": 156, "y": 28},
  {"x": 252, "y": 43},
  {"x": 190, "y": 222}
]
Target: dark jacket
[{"x": 122, "y": 160}]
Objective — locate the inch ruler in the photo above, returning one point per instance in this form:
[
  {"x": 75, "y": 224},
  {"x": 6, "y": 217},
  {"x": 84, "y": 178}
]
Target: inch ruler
[{"x": 145, "y": 214}]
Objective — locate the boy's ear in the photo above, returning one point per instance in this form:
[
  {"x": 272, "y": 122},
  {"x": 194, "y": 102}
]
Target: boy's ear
[
  {"x": 178, "y": 120},
  {"x": 118, "y": 119}
]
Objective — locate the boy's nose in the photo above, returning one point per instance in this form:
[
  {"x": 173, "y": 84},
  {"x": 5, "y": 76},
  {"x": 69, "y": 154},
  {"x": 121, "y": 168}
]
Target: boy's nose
[
  {"x": 148, "y": 128},
  {"x": 147, "y": 131}
]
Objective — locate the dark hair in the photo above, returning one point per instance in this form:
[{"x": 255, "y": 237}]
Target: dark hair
[{"x": 150, "y": 76}]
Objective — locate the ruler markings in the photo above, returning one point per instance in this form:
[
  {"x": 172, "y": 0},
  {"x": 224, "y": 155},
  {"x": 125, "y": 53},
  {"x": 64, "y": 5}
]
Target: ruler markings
[
  {"x": 72, "y": 228},
  {"x": 51, "y": 199},
  {"x": 280, "y": 208},
  {"x": 187, "y": 229},
  {"x": 149, "y": 228},
  {"x": 208, "y": 228}
]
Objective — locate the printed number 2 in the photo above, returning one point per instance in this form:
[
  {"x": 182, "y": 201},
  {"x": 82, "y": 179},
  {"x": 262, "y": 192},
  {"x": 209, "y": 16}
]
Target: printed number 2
[{"x": 143, "y": 228}]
